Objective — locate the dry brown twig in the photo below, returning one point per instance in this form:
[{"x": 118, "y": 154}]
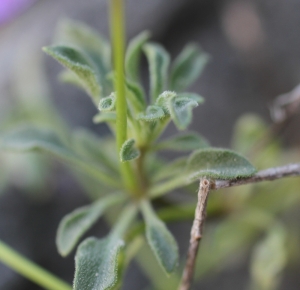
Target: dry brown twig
[
  {"x": 200, "y": 213},
  {"x": 196, "y": 234}
]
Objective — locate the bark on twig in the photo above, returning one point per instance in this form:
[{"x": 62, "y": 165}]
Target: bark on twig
[
  {"x": 200, "y": 213},
  {"x": 264, "y": 175},
  {"x": 196, "y": 234}
]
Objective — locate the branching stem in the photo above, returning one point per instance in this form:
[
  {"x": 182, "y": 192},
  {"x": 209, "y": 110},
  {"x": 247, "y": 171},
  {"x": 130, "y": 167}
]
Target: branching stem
[
  {"x": 196, "y": 234},
  {"x": 205, "y": 186},
  {"x": 264, "y": 175}
]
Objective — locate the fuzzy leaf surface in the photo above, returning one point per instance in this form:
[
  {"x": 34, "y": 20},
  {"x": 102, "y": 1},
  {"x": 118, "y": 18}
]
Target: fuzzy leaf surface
[
  {"x": 163, "y": 101},
  {"x": 161, "y": 241},
  {"x": 193, "y": 96},
  {"x": 133, "y": 54},
  {"x": 95, "y": 46},
  {"x": 187, "y": 67},
  {"x": 79, "y": 64},
  {"x": 70, "y": 77},
  {"x": 98, "y": 263},
  {"x": 218, "y": 163},
  {"x": 129, "y": 151},
  {"x": 74, "y": 225},
  {"x": 153, "y": 113},
  {"x": 81, "y": 35},
  {"x": 181, "y": 111},
  {"x": 136, "y": 95},
  {"x": 28, "y": 138},
  {"x": 158, "y": 60},
  {"x": 108, "y": 104},
  {"x": 184, "y": 142}
]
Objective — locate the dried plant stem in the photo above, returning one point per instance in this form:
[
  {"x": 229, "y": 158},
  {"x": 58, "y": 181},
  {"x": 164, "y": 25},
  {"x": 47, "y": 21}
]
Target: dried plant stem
[
  {"x": 196, "y": 234},
  {"x": 264, "y": 175}
]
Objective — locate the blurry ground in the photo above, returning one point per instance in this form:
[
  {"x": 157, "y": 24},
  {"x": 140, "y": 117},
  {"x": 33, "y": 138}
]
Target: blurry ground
[{"x": 255, "y": 56}]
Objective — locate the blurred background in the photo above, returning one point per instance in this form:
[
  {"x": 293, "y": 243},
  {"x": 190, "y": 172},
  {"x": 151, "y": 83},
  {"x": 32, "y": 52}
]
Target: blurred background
[{"x": 255, "y": 57}]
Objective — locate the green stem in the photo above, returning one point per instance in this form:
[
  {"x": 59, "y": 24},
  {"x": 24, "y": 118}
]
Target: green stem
[
  {"x": 30, "y": 270},
  {"x": 117, "y": 35}
]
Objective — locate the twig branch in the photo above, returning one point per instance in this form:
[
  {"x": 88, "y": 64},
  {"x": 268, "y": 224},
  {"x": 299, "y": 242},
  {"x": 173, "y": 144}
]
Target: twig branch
[
  {"x": 264, "y": 175},
  {"x": 196, "y": 235},
  {"x": 200, "y": 213}
]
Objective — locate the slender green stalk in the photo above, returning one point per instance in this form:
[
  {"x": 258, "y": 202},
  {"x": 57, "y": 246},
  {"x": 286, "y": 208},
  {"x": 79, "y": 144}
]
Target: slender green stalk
[
  {"x": 117, "y": 35},
  {"x": 30, "y": 270}
]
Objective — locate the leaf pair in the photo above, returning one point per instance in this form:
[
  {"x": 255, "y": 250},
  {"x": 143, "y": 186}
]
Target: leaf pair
[
  {"x": 100, "y": 262},
  {"x": 74, "y": 225},
  {"x": 185, "y": 70},
  {"x": 169, "y": 104}
]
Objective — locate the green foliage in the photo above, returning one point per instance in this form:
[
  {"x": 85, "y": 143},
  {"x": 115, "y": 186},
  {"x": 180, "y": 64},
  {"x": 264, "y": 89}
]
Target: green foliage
[
  {"x": 79, "y": 64},
  {"x": 160, "y": 239},
  {"x": 219, "y": 164},
  {"x": 159, "y": 61},
  {"x": 187, "y": 67},
  {"x": 97, "y": 264},
  {"x": 180, "y": 109},
  {"x": 100, "y": 262},
  {"x": 108, "y": 104},
  {"x": 269, "y": 259},
  {"x": 74, "y": 225},
  {"x": 129, "y": 151},
  {"x": 133, "y": 54},
  {"x": 27, "y": 138},
  {"x": 184, "y": 142},
  {"x": 152, "y": 113}
]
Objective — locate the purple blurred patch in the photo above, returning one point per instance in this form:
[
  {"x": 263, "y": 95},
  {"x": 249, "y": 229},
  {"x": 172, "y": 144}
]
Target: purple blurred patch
[{"x": 11, "y": 8}]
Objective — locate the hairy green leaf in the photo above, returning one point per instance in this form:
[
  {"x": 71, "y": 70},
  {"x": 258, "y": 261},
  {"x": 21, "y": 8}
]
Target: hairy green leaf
[
  {"x": 218, "y": 163},
  {"x": 160, "y": 239},
  {"x": 187, "y": 67},
  {"x": 74, "y": 225},
  {"x": 69, "y": 77},
  {"x": 153, "y": 113},
  {"x": 136, "y": 95},
  {"x": 96, "y": 47},
  {"x": 78, "y": 63},
  {"x": 28, "y": 138},
  {"x": 192, "y": 96},
  {"x": 133, "y": 55},
  {"x": 163, "y": 101},
  {"x": 129, "y": 151},
  {"x": 108, "y": 103},
  {"x": 79, "y": 34},
  {"x": 98, "y": 264},
  {"x": 181, "y": 111},
  {"x": 158, "y": 60},
  {"x": 105, "y": 117},
  {"x": 184, "y": 142}
]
